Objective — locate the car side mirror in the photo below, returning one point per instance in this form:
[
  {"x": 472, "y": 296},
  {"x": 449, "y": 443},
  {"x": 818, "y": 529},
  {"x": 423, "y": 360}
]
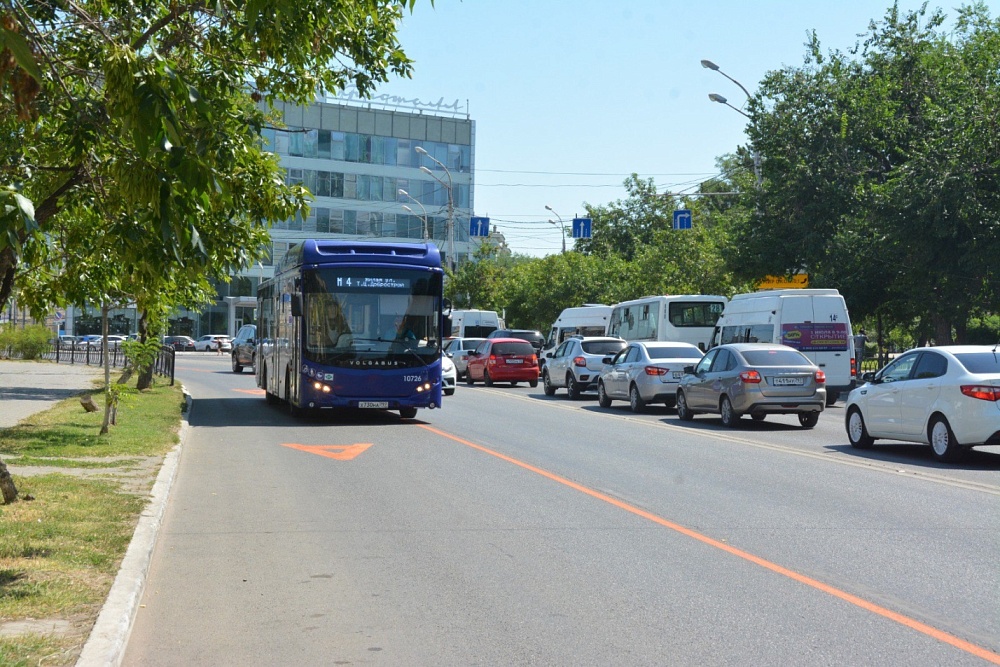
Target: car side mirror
[
  {"x": 868, "y": 377},
  {"x": 606, "y": 360},
  {"x": 689, "y": 370}
]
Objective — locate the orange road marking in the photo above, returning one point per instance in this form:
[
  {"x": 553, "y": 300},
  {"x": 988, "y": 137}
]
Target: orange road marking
[
  {"x": 339, "y": 452},
  {"x": 254, "y": 392},
  {"x": 906, "y": 621}
]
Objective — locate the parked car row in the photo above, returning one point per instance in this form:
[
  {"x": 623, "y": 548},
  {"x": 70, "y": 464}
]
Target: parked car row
[{"x": 947, "y": 397}]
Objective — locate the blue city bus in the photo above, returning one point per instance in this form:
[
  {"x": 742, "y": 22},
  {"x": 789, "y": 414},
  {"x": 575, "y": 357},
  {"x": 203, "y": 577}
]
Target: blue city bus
[{"x": 353, "y": 324}]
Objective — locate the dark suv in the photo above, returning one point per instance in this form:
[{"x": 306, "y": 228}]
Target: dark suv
[
  {"x": 534, "y": 337},
  {"x": 245, "y": 348}
]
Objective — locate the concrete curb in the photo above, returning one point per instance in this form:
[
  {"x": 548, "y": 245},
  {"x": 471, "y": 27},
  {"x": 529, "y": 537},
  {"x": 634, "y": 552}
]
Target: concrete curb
[{"x": 109, "y": 637}]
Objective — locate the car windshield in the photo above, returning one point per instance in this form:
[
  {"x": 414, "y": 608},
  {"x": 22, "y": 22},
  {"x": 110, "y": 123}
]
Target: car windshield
[
  {"x": 775, "y": 358},
  {"x": 513, "y": 348},
  {"x": 673, "y": 353},
  {"x": 602, "y": 346},
  {"x": 980, "y": 362}
]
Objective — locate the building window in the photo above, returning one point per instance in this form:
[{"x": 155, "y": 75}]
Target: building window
[
  {"x": 323, "y": 144},
  {"x": 336, "y": 221}
]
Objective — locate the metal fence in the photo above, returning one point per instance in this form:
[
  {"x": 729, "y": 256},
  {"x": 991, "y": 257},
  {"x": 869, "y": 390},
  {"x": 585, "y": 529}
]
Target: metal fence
[{"x": 93, "y": 355}]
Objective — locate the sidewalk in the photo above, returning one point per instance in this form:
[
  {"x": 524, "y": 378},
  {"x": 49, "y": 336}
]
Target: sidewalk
[{"x": 28, "y": 387}]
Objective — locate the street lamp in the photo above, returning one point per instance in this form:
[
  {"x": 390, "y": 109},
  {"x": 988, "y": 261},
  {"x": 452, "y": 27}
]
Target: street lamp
[
  {"x": 715, "y": 97},
  {"x": 451, "y": 202},
  {"x": 562, "y": 228},
  {"x": 407, "y": 208}
]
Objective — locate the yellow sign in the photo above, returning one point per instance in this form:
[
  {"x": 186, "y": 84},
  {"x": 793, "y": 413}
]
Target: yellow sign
[{"x": 799, "y": 280}]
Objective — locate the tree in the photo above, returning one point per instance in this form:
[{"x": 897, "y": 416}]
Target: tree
[
  {"x": 145, "y": 119},
  {"x": 622, "y": 227},
  {"x": 880, "y": 170}
]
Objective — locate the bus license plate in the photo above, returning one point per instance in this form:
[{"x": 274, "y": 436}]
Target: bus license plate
[
  {"x": 779, "y": 382},
  {"x": 381, "y": 405}
]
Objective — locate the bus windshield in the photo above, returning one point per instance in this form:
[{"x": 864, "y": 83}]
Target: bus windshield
[{"x": 371, "y": 316}]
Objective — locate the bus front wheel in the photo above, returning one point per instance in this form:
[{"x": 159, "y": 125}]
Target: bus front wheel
[{"x": 407, "y": 413}]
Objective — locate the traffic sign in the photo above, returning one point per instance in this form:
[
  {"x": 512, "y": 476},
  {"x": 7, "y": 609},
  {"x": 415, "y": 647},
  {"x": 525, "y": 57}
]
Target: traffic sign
[
  {"x": 682, "y": 219},
  {"x": 479, "y": 226},
  {"x": 582, "y": 228}
]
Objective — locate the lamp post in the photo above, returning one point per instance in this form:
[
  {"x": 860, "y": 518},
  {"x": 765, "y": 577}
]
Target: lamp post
[
  {"x": 407, "y": 208},
  {"x": 451, "y": 202},
  {"x": 562, "y": 228},
  {"x": 715, "y": 97}
]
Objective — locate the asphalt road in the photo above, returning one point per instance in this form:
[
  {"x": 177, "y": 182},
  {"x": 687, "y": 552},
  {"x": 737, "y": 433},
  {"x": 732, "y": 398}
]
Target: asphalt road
[{"x": 510, "y": 528}]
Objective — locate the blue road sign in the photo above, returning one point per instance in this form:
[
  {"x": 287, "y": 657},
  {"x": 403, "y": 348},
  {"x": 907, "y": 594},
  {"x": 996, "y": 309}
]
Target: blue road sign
[
  {"x": 581, "y": 228},
  {"x": 479, "y": 226},
  {"x": 682, "y": 219}
]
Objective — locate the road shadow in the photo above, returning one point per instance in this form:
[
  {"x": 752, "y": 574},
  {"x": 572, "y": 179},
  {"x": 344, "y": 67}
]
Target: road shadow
[
  {"x": 914, "y": 454},
  {"x": 255, "y": 411}
]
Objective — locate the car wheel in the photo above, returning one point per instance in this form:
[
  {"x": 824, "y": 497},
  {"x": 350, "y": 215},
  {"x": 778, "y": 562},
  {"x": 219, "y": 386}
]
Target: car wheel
[
  {"x": 468, "y": 378},
  {"x": 942, "y": 438},
  {"x": 449, "y": 392},
  {"x": 831, "y": 397},
  {"x": 547, "y": 383},
  {"x": 237, "y": 368},
  {"x": 602, "y": 396},
  {"x": 532, "y": 383},
  {"x": 635, "y": 400},
  {"x": 572, "y": 387},
  {"x": 487, "y": 380},
  {"x": 758, "y": 416},
  {"x": 808, "y": 419},
  {"x": 684, "y": 413},
  {"x": 730, "y": 417},
  {"x": 407, "y": 413},
  {"x": 857, "y": 432}
]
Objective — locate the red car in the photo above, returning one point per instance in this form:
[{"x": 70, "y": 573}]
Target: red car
[{"x": 503, "y": 360}]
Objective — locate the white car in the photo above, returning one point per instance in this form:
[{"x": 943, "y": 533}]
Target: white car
[
  {"x": 947, "y": 397},
  {"x": 459, "y": 349},
  {"x": 449, "y": 376},
  {"x": 207, "y": 343}
]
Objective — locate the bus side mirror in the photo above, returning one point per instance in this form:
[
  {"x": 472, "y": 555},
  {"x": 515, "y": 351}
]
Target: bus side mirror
[
  {"x": 446, "y": 308},
  {"x": 447, "y": 327},
  {"x": 296, "y": 304}
]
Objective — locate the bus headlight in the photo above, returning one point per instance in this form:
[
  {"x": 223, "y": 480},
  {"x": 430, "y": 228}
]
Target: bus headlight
[
  {"x": 426, "y": 386},
  {"x": 319, "y": 386}
]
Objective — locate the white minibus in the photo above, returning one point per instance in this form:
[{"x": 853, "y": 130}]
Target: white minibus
[
  {"x": 684, "y": 318},
  {"x": 586, "y": 320},
  {"x": 474, "y": 323},
  {"x": 813, "y": 321}
]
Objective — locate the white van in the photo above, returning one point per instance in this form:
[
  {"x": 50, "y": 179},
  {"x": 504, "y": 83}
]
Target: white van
[
  {"x": 813, "y": 321},
  {"x": 587, "y": 320},
  {"x": 474, "y": 323},
  {"x": 682, "y": 318}
]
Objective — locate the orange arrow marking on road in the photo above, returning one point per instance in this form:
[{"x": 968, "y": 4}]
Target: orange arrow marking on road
[{"x": 339, "y": 452}]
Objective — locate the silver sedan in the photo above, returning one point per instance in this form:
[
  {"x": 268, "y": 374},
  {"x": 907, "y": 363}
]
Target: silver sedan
[
  {"x": 756, "y": 379},
  {"x": 645, "y": 373}
]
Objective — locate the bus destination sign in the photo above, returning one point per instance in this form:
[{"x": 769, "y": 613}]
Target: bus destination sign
[{"x": 373, "y": 283}]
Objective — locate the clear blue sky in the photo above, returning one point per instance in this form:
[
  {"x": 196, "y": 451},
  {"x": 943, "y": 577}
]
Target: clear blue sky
[{"x": 572, "y": 96}]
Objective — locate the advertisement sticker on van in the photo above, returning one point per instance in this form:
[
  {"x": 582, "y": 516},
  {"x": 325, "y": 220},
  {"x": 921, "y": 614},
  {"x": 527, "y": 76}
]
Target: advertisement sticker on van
[{"x": 815, "y": 337}]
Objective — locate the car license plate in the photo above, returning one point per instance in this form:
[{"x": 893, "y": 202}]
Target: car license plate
[
  {"x": 515, "y": 361},
  {"x": 381, "y": 405},
  {"x": 786, "y": 382},
  {"x": 678, "y": 375}
]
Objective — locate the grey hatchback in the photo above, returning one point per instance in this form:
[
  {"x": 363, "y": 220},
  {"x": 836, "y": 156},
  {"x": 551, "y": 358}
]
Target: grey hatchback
[{"x": 753, "y": 378}]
